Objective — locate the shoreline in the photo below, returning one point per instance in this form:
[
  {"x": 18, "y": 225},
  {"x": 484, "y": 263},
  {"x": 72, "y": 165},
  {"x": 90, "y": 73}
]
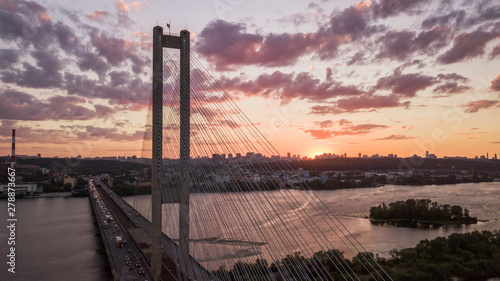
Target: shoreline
[
  {"x": 436, "y": 222},
  {"x": 45, "y": 195}
]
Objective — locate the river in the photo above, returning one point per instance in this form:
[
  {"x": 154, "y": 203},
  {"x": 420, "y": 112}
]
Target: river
[
  {"x": 57, "y": 239},
  {"x": 480, "y": 198}
]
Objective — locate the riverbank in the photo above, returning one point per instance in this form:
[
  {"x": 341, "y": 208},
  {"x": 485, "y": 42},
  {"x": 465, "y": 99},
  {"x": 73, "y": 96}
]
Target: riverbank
[
  {"x": 43, "y": 195},
  {"x": 433, "y": 222}
]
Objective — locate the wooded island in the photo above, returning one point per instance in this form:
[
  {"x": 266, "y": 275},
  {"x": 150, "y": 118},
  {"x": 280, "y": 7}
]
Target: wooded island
[{"x": 421, "y": 210}]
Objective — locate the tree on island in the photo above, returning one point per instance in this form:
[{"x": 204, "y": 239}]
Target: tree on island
[
  {"x": 421, "y": 210},
  {"x": 461, "y": 256}
]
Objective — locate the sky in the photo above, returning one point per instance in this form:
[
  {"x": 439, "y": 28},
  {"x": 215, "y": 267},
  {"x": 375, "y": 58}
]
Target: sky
[{"x": 370, "y": 77}]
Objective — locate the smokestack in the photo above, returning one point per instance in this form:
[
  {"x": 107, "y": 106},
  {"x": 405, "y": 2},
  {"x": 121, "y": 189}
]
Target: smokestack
[{"x": 13, "y": 160}]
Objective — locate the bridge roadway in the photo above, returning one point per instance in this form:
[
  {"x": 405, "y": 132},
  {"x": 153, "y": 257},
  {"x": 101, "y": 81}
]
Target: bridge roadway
[
  {"x": 137, "y": 230},
  {"x": 126, "y": 263}
]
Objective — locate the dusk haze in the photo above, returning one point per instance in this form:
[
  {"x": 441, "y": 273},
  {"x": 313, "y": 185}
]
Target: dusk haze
[{"x": 345, "y": 77}]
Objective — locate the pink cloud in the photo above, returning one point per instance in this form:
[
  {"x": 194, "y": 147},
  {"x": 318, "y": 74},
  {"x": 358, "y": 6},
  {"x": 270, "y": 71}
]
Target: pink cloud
[
  {"x": 495, "y": 84},
  {"x": 22, "y": 106},
  {"x": 387, "y": 8},
  {"x": 467, "y": 46},
  {"x": 397, "y": 137},
  {"x": 288, "y": 86},
  {"x": 358, "y": 103},
  {"x": 345, "y": 128},
  {"x": 97, "y": 15},
  {"x": 495, "y": 52},
  {"x": 475, "y": 106},
  {"x": 405, "y": 84},
  {"x": 450, "y": 88},
  {"x": 122, "y": 6}
]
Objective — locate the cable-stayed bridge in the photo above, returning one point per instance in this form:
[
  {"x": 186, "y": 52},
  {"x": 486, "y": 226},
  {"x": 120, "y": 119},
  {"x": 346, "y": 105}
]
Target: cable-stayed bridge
[{"x": 225, "y": 208}]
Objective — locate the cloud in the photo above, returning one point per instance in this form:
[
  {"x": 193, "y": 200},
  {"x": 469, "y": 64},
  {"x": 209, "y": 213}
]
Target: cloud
[
  {"x": 453, "y": 77},
  {"x": 406, "y": 85},
  {"x": 397, "y": 137},
  {"x": 454, "y": 18},
  {"x": 71, "y": 134},
  {"x": 46, "y": 75},
  {"x": 353, "y": 21},
  {"x": 388, "y": 8},
  {"x": 22, "y": 106},
  {"x": 495, "y": 52},
  {"x": 29, "y": 24},
  {"x": 495, "y": 84},
  {"x": 325, "y": 124},
  {"x": 288, "y": 86},
  {"x": 475, "y": 106},
  {"x": 228, "y": 45},
  {"x": 401, "y": 44},
  {"x": 467, "y": 46},
  {"x": 357, "y": 58},
  {"x": 117, "y": 50},
  {"x": 396, "y": 44},
  {"x": 98, "y": 15},
  {"x": 134, "y": 95},
  {"x": 353, "y": 104},
  {"x": 90, "y": 61},
  {"x": 8, "y": 57},
  {"x": 342, "y": 127},
  {"x": 450, "y": 88},
  {"x": 122, "y": 6},
  {"x": 112, "y": 134}
]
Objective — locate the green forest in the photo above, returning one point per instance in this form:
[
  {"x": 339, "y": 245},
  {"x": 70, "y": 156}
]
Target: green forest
[
  {"x": 468, "y": 256},
  {"x": 421, "y": 210}
]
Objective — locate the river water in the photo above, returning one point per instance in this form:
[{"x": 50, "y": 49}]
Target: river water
[
  {"x": 57, "y": 239},
  {"x": 482, "y": 200}
]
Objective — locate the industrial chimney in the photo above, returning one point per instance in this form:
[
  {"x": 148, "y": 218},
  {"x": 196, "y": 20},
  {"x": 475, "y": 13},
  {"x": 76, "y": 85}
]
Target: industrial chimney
[{"x": 13, "y": 160}]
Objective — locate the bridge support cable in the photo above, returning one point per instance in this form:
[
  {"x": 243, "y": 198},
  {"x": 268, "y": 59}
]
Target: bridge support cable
[
  {"x": 321, "y": 204},
  {"x": 241, "y": 209},
  {"x": 316, "y": 200},
  {"x": 194, "y": 95},
  {"x": 209, "y": 191},
  {"x": 219, "y": 129}
]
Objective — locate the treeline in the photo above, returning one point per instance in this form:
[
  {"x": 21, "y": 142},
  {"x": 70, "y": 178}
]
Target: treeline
[
  {"x": 468, "y": 256},
  {"x": 74, "y": 166},
  {"x": 123, "y": 189},
  {"x": 337, "y": 183},
  {"x": 421, "y": 210},
  {"x": 395, "y": 164},
  {"x": 236, "y": 186}
]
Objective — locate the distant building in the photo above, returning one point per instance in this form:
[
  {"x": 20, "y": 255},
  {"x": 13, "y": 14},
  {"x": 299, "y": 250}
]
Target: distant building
[
  {"x": 26, "y": 188},
  {"x": 71, "y": 180}
]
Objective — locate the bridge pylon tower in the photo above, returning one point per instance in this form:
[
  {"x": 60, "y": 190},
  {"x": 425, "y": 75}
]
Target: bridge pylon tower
[{"x": 181, "y": 194}]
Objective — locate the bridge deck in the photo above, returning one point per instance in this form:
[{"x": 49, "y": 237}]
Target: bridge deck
[
  {"x": 138, "y": 233},
  {"x": 118, "y": 256}
]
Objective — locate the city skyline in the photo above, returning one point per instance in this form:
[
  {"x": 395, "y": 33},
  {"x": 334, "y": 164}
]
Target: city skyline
[
  {"x": 401, "y": 77},
  {"x": 288, "y": 155}
]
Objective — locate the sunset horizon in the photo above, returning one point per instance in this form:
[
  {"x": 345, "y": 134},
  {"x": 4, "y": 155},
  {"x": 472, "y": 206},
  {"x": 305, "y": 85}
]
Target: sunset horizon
[{"x": 343, "y": 77}]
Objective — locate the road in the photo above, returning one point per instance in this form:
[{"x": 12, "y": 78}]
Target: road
[{"x": 127, "y": 262}]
